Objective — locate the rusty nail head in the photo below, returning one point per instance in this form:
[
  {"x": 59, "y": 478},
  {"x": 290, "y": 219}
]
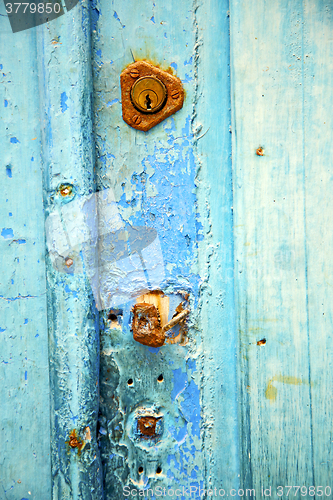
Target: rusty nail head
[
  {"x": 69, "y": 262},
  {"x": 136, "y": 119},
  {"x": 175, "y": 94},
  {"x": 147, "y": 426},
  {"x": 134, "y": 73},
  {"x": 260, "y": 151}
]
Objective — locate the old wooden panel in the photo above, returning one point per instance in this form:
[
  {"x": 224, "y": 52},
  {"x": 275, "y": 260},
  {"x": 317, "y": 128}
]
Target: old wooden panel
[
  {"x": 170, "y": 179},
  {"x": 281, "y": 90},
  {"x": 25, "y": 462},
  {"x": 318, "y": 76},
  {"x": 68, "y": 165}
]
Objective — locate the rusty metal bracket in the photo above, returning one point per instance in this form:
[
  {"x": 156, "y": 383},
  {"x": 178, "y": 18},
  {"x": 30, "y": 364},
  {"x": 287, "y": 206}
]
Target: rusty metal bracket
[{"x": 169, "y": 85}]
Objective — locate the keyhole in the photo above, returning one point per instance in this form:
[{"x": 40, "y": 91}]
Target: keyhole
[{"x": 148, "y": 102}]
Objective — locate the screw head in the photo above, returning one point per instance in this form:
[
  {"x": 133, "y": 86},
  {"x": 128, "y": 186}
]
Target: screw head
[
  {"x": 136, "y": 119},
  {"x": 134, "y": 73},
  {"x": 175, "y": 94}
]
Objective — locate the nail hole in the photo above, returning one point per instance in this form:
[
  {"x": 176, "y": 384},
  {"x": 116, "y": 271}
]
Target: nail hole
[
  {"x": 158, "y": 470},
  {"x": 140, "y": 470},
  {"x": 130, "y": 381},
  {"x": 114, "y": 314},
  {"x": 160, "y": 378}
]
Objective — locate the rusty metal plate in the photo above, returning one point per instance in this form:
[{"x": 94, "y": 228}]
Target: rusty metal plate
[
  {"x": 146, "y": 325},
  {"x": 149, "y": 427},
  {"x": 133, "y": 114}
]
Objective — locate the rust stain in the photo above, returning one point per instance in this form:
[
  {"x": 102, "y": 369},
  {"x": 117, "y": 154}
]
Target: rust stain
[
  {"x": 69, "y": 262},
  {"x": 75, "y": 441},
  {"x": 146, "y": 325},
  {"x": 271, "y": 391},
  {"x": 260, "y": 151}
]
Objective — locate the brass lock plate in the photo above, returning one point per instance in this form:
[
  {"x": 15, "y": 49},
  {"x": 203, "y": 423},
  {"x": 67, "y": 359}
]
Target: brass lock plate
[{"x": 149, "y": 95}]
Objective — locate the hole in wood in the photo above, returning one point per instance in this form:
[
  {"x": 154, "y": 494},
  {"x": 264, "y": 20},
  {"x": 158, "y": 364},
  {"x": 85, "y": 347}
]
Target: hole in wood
[
  {"x": 140, "y": 470},
  {"x": 130, "y": 381},
  {"x": 160, "y": 378},
  {"x": 158, "y": 470}
]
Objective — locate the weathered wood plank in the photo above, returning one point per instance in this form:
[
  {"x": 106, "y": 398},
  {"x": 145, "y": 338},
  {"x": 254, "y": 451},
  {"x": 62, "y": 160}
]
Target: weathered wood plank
[
  {"x": 25, "y": 465},
  {"x": 68, "y": 158},
  {"x": 270, "y": 257},
  {"x": 152, "y": 176},
  {"x": 318, "y": 123},
  {"x": 211, "y": 123}
]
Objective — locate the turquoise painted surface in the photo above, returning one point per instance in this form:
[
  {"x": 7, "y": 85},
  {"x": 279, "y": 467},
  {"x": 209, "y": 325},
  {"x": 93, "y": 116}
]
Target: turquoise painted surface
[
  {"x": 282, "y": 75},
  {"x": 162, "y": 179},
  {"x": 247, "y": 237},
  {"x": 68, "y": 160},
  {"x": 25, "y": 461}
]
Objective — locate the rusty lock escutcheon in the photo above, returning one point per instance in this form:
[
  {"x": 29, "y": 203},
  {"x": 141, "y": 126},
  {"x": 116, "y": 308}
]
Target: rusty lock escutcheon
[{"x": 149, "y": 95}]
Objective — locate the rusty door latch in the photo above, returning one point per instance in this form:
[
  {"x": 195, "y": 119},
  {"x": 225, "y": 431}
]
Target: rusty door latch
[
  {"x": 149, "y": 95},
  {"x": 146, "y": 324}
]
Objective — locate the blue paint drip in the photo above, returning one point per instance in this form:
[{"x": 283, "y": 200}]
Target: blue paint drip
[
  {"x": 7, "y": 233},
  {"x": 152, "y": 19},
  {"x": 26, "y": 321},
  {"x": 63, "y": 100},
  {"x": 9, "y": 171},
  {"x": 14, "y": 140},
  {"x": 5, "y": 103},
  {"x": 25, "y": 375}
]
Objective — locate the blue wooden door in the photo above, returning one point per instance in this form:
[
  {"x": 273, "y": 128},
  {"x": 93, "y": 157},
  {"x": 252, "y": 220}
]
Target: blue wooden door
[{"x": 223, "y": 209}]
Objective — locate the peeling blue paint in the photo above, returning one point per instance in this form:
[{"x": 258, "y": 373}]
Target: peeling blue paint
[
  {"x": 7, "y": 233},
  {"x": 9, "y": 171},
  {"x": 5, "y": 103},
  {"x": 112, "y": 102}
]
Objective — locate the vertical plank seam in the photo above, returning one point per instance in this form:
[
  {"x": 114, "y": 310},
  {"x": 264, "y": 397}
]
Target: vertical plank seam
[{"x": 305, "y": 252}]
